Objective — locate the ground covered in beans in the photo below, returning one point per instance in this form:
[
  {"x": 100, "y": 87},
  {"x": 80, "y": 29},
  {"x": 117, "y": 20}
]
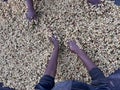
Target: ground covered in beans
[{"x": 25, "y": 48}]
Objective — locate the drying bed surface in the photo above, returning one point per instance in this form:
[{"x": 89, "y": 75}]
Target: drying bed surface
[{"x": 25, "y": 48}]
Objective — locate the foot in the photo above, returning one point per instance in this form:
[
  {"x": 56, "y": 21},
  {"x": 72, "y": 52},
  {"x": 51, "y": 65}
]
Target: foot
[
  {"x": 31, "y": 15},
  {"x": 73, "y": 47},
  {"x": 54, "y": 41}
]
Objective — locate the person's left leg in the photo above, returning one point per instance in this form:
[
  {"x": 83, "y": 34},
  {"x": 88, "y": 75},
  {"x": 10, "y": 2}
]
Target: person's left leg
[
  {"x": 47, "y": 80},
  {"x": 52, "y": 65}
]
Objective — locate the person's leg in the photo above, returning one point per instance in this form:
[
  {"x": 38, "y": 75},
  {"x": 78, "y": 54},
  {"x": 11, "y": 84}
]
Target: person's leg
[
  {"x": 82, "y": 55},
  {"x": 47, "y": 80},
  {"x": 98, "y": 78},
  {"x": 93, "y": 70},
  {"x": 31, "y": 14},
  {"x": 52, "y": 65}
]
